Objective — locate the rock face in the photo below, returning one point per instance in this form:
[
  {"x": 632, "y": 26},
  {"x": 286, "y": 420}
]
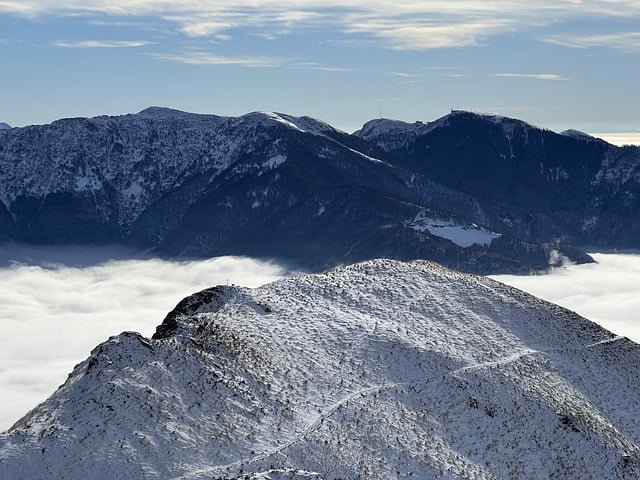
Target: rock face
[
  {"x": 478, "y": 193},
  {"x": 377, "y": 370}
]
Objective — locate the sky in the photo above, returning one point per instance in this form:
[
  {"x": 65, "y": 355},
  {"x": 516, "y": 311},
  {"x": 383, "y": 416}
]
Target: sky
[
  {"x": 59, "y": 303},
  {"x": 555, "y": 63}
]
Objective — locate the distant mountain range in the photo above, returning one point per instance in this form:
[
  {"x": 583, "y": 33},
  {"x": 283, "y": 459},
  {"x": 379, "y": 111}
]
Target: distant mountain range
[
  {"x": 377, "y": 370},
  {"x": 4, "y": 126},
  {"x": 480, "y": 193}
]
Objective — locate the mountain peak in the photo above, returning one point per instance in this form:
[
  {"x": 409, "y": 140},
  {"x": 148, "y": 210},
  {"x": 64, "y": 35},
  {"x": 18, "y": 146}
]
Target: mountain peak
[
  {"x": 4, "y": 126},
  {"x": 302, "y": 124},
  {"x": 488, "y": 117},
  {"x": 154, "y": 111},
  {"x": 580, "y": 135},
  {"x": 354, "y": 373}
]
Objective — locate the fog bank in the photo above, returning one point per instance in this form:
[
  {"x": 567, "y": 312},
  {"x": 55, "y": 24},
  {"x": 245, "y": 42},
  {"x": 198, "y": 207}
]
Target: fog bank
[
  {"x": 607, "y": 292},
  {"x": 57, "y": 304}
]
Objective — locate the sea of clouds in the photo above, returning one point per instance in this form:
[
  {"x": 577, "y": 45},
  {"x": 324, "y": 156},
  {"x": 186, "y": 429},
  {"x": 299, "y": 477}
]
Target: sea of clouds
[
  {"x": 606, "y": 292},
  {"x": 56, "y": 305}
]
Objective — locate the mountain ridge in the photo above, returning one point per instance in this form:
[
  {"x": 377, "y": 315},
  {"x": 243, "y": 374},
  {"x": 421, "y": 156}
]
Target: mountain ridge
[
  {"x": 375, "y": 370},
  {"x": 298, "y": 190}
]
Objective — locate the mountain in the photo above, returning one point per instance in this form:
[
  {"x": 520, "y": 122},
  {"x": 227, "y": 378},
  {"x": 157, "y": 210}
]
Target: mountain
[
  {"x": 480, "y": 193},
  {"x": 533, "y": 182},
  {"x": 376, "y": 370},
  {"x": 4, "y": 126}
]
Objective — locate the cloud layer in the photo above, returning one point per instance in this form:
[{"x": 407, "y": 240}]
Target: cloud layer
[
  {"x": 53, "y": 315},
  {"x": 607, "y": 292},
  {"x": 58, "y": 305}
]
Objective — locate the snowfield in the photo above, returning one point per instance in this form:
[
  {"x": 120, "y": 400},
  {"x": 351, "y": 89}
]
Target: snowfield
[{"x": 377, "y": 370}]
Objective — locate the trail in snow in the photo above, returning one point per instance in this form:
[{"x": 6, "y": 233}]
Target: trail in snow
[{"x": 297, "y": 438}]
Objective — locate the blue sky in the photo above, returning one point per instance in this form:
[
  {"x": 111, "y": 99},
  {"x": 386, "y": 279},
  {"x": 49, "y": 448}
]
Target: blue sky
[{"x": 558, "y": 64}]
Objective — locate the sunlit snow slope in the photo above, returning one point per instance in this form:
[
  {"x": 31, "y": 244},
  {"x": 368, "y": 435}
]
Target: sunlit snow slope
[{"x": 377, "y": 370}]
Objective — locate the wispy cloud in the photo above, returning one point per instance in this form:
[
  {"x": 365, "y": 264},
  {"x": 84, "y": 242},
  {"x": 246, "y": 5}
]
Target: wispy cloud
[
  {"x": 21, "y": 8},
  {"x": 624, "y": 41},
  {"x": 410, "y": 25},
  {"x": 324, "y": 68},
  {"x": 532, "y": 76},
  {"x": 203, "y": 58},
  {"x": 206, "y": 29},
  {"x": 403, "y": 74},
  {"x": 426, "y": 34},
  {"x": 101, "y": 44}
]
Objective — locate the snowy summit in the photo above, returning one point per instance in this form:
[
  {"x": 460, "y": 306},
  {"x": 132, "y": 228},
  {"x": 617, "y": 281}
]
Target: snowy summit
[{"x": 377, "y": 370}]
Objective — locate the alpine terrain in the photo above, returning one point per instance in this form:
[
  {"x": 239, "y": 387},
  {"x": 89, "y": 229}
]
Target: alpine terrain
[
  {"x": 480, "y": 193},
  {"x": 377, "y": 370}
]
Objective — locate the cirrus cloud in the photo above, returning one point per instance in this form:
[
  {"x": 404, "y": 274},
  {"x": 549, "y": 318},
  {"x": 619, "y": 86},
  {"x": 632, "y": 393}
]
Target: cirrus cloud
[
  {"x": 623, "y": 41},
  {"x": 409, "y": 25},
  {"x": 204, "y": 58},
  {"x": 532, "y": 76},
  {"x": 101, "y": 44}
]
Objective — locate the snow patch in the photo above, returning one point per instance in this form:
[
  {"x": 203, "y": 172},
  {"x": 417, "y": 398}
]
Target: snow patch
[
  {"x": 462, "y": 235},
  {"x": 280, "y": 119},
  {"x": 275, "y": 161}
]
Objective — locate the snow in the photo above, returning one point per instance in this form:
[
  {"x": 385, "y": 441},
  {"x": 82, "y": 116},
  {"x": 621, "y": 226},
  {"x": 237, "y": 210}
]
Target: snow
[
  {"x": 462, "y": 235},
  {"x": 280, "y": 119},
  {"x": 139, "y": 157},
  {"x": 579, "y": 135},
  {"x": 4, "y": 126},
  {"x": 377, "y": 370},
  {"x": 275, "y": 161},
  {"x": 393, "y": 134}
]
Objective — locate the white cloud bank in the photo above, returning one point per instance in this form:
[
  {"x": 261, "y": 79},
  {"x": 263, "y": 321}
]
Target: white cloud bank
[
  {"x": 52, "y": 316},
  {"x": 607, "y": 292}
]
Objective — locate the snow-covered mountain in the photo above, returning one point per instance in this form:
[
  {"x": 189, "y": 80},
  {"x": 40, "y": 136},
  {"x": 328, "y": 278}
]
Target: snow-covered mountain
[
  {"x": 4, "y": 126},
  {"x": 377, "y": 370},
  {"x": 532, "y": 182},
  {"x": 295, "y": 188}
]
